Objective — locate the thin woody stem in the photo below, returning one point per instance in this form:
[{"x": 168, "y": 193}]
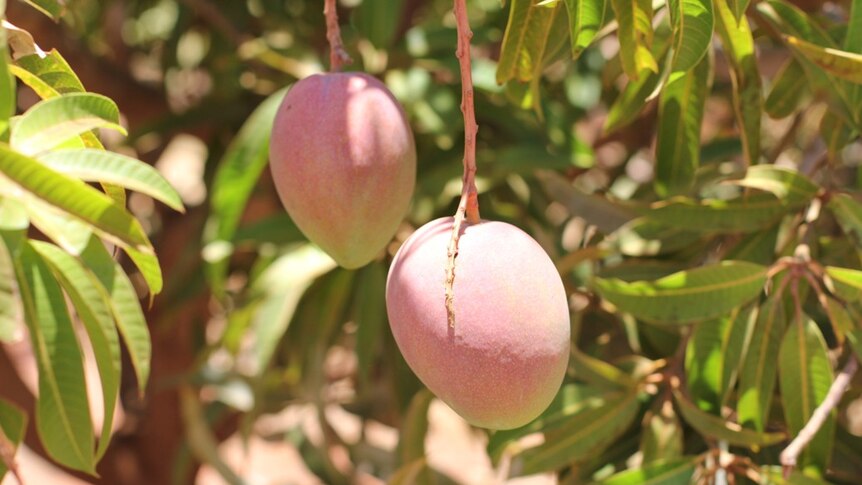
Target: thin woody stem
[
  {"x": 337, "y": 55},
  {"x": 790, "y": 454},
  {"x": 468, "y": 206}
]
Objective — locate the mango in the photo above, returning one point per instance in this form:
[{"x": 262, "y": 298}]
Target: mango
[
  {"x": 343, "y": 160},
  {"x": 505, "y": 358}
]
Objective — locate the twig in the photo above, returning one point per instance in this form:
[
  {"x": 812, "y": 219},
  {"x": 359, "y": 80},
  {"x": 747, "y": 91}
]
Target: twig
[
  {"x": 468, "y": 206},
  {"x": 337, "y": 55},
  {"x": 806, "y": 434}
]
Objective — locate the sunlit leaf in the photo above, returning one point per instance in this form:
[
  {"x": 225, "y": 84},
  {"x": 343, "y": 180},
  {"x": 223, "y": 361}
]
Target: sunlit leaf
[
  {"x": 13, "y": 424},
  {"x": 62, "y": 411},
  {"x": 68, "y": 232},
  {"x": 718, "y": 428},
  {"x": 49, "y": 76},
  {"x": 848, "y": 212},
  {"x": 7, "y": 87},
  {"x": 635, "y": 34},
  {"x": 805, "y": 376},
  {"x": 687, "y": 296},
  {"x": 93, "y": 308},
  {"x": 52, "y": 8},
  {"x": 784, "y": 183},
  {"x": 752, "y": 213},
  {"x": 735, "y": 341},
  {"x": 681, "y": 106},
  {"x": 671, "y": 472},
  {"x": 843, "y": 64},
  {"x": 692, "y": 22},
  {"x": 53, "y": 121},
  {"x": 846, "y": 283},
  {"x": 585, "y": 19},
  {"x": 704, "y": 362},
  {"x": 738, "y": 7},
  {"x": 757, "y": 375},
  {"x": 525, "y": 40}
]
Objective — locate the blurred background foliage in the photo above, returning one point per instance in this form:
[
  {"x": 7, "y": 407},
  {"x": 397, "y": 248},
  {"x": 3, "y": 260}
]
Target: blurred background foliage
[{"x": 271, "y": 365}]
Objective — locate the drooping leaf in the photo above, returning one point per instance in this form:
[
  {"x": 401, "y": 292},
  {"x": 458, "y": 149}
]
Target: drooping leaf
[
  {"x": 13, "y": 225},
  {"x": 789, "y": 87},
  {"x": 788, "y": 185},
  {"x": 752, "y": 213},
  {"x": 757, "y": 375},
  {"x": 661, "y": 439},
  {"x": 68, "y": 232},
  {"x": 93, "y": 165},
  {"x": 378, "y": 21},
  {"x": 525, "y": 41},
  {"x": 51, "y": 8},
  {"x": 370, "y": 316},
  {"x": 125, "y": 307},
  {"x": 840, "y": 63},
  {"x": 692, "y": 22},
  {"x": 836, "y": 133},
  {"x": 49, "y": 76},
  {"x": 735, "y": 342},
  {"x": 585, "y": 19},
  {"x": 7, "y": 87},
  {"x": 678, "y": 471},
  {"x": 805, "y": 376},
  {"x": 704, "y": 362},
  {"x": 738, "y": 45},
  {"x": 411, "y": 444},
  {"x": 738, "y": 7},
  {"x": 687, "y": 296},
  {"x": 599, "y": 373},
  {"x": 581, "y": 435},
  {"x": 53, "y": 121},
  {"x": 681, "y": 106},
  {"x": 93, "y": 308},
  {"x": 848, "y": 212},
  {"x": 236, "y": 177},
  {"x": 846, "y": 283},
  {"x": 62, "y": 411},
  {"x": 718, "y": 428},
  {"x": 13, "y": 424},
  {"x": 635, "y": 34},
  {"x": 74, "y": 197}
]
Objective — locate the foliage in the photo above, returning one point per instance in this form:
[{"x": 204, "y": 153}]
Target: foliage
[{"x": 690, "y": 166}]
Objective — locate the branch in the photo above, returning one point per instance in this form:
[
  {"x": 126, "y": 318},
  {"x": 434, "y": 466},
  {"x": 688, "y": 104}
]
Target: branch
[
  {"x": 806, "y": 434},
  {"x": 469, "y": 204},
  {"x": 337, "y": 55}
]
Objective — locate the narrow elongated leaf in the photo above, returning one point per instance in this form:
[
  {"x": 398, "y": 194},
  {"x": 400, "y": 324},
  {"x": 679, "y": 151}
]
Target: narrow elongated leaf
[
  {"x": 837, "y": 133},
  {"x": 704, "y": 362},
  {"x": 788, "y": 88},
  {"x": 62, "y": 412},
  {"x": 718, "y": 428},
  {"x": 9, "y": 307},
  {"x": 680, "y": 115},
  {"x": 236, "y": 177},
  {"x": 53, "y": 121},
  {"x": 585, "y": 19},
  {"x": 370, "y": 316},
  {"x": 582, "y": 435},
  {"x": 411, "y": 445},
  {"x": 151, "y": 270},
  {"x": 635, "y": 34},
  {"x": 738, "y": 45},
  {"x": 756, "y": 247},
  {"x": 757, "y": 376},
  {"x": 93, "y": 165},
  {"x": 848, "y": 212},
  {"x": 687, "y": 296},
  {"x": 735, "y": 343},
  {"x": 840, "y": 63},
  {"x": 49, "y": 76},
  {"x": 738, "y": 7},
  {"x": 692, "y": 21},
  {"x": 13, "y": 424},
  {"x": 378, "y": 21},
  {"x": 784, "y": 183},
  {"x": 526, "y": 39},
  {"x": 805, "y": 375},
  {"x": 8, "y": 96},
  {"x": 66, "y": 231},
  {"x": 753, "y": 213},
  {"x": 600, "y": 373},
  {"x": 661, "y": 439},
  {"x": 642, "y": 237},
  {"x": 679, "y": 471},
  {"x": 51, "y": 8},
  {"x": 73, "y": 197},
  {"x": 125, "y": 307},
  {"x": 846, "y": 283},
  {"x": 93, "y": 308}
]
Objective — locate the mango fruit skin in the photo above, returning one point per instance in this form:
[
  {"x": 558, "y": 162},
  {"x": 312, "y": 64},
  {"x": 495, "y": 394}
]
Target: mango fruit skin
[
  {"x": 343, "y": 160},
  {"x": 505, "y": 359}
]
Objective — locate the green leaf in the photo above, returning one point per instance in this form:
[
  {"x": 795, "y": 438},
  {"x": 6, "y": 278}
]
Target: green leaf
[
  {"x": 378, "y": 21},
  {"x": 9, "y": 308},
  {"x": 756, "y": 247},
  {"x": 848, "y": 212},
  {"x": 720, "y": 429},
  {"x": 585, "y": 19},
  {"x": 836, "y": 133},
  {"x": 62, "y": 411},
  {"x": 642, "y": 237},
  {"x": 414, "y": 428},
  {"x": 805, "y": 376},
  {"x": 634, "y": 18},
  {"x": 671, "y": 472},
  {"x": 8, "y": 97},
  {"x": 661, "y": 439},
  {"x": 738, "y": 45},
  {"x": 125, "y": 307},
  {"x": 692, "y": 22},
  {"x": 704, "y": 362},
  {"x": 738, "y": 7},
  {"x": 757, "y": 375},
  {"x": 68, "y": 232},
  {"x": 13, "y": 424},
  {"x": 151, "y": 270},
  {"x": 680, "y": 115},
  {"x": 600, "y": 373},
  {"x": 789, "y": 87},
  {"x": 75, "y": 198},
  {"x": 525, "y": 42},
  {"x": 93, "y": 308},
  {"x": 735, "y": 342},
  {"x": 235, "y": 178},
  {"x": 845, "y": 283},
  {"x": 752, "y": 213},
  {"x": 786, "y": 184},
  {"x": 49, "y": 76},
  {"x": 842, "y": 64},
  {"x": 93, "y": 165},
  {"x": 581, "y": 435},
  {"x": 51, "y": 8},
  {"x": 369, "y": 309},
  {"x": 53, "y": 121},
  {"x": 687, "y": 296}
]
